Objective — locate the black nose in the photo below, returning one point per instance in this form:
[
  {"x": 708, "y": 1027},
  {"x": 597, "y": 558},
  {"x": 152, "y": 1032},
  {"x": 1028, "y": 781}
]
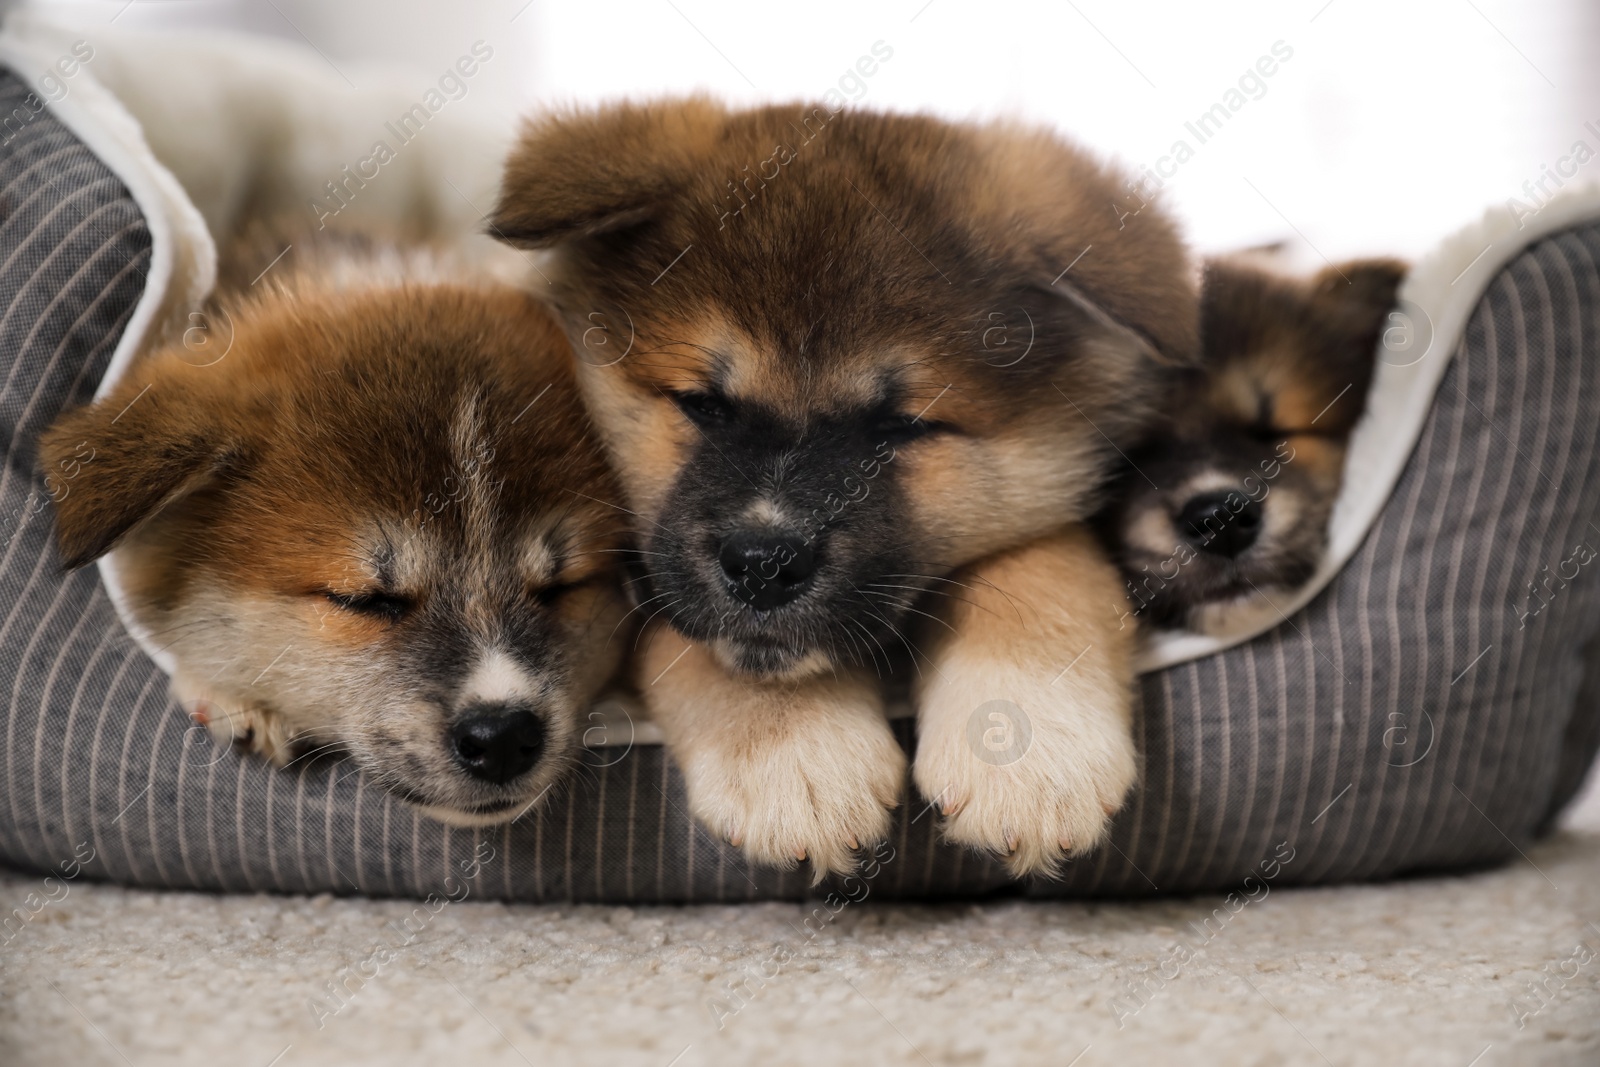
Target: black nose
[
  {"x": 1224, "y": 524},
  {"x": 767, "y": 568},
  {"x": 497, "y": 742}
]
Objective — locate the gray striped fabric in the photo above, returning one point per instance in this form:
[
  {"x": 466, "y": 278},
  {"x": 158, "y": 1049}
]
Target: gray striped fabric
[{"x": 1416, "y": 717}]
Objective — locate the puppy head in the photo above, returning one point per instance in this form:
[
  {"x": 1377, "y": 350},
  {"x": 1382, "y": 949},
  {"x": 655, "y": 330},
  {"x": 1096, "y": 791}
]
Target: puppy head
[
  {"x": 377, "y": 521},
  {"x": 1230, "y": 506},
  {"x": 837, "y": 354}
]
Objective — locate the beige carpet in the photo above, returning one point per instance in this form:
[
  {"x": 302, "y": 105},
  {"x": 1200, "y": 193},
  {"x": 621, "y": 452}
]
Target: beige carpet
[{"x": 1420, "y": 972}]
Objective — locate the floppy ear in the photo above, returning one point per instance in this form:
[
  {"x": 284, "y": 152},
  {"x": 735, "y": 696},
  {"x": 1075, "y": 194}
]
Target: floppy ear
[
  {"x": 117, "y": 462},
  {"x": 1070, "y": 223},
  {"x": 1125, "y": 335},
  {"x": 1360, "y": 293},
  {"x": 586, "y": 173}
]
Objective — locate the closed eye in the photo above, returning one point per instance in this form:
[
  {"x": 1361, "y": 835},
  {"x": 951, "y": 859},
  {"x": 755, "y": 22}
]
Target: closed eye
[
  {"x": 1266, "y": 432},
  {"x": 388, "y": 607},
  {"x": 900, "y": 429},
  {"x": 550, "y": 595},
  {"x": 703, "y": 407}
]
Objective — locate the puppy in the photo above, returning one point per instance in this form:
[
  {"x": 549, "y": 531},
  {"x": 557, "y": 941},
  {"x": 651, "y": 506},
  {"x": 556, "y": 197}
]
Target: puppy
[
  {"x": 862, "y": 375},
  {"x": 377, "y": 521},
  {"x": 1227, "y": 509}
]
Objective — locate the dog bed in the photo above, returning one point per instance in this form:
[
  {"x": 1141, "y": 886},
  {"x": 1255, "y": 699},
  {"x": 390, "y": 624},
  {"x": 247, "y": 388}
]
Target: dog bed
[{"x": 1426, "y": 705}]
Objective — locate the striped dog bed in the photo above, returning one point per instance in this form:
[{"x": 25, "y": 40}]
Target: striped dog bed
[{"x": 1424, "y": 707}]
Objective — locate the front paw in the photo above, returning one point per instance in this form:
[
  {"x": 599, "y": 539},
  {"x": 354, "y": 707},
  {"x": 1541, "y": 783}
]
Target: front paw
[
  {"x": 804, "y": 769},
  {"x": 242, "y": 725},
  {"x": 818, "y": 786},
  {"x": 1022, "y": 767}
]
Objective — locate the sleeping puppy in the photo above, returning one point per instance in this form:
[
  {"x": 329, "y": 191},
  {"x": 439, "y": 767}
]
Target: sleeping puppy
[
  {"x": 862, "y": 375},
  {"x": 1227, "y": 509},
  {"x": 379, "y": 522}
]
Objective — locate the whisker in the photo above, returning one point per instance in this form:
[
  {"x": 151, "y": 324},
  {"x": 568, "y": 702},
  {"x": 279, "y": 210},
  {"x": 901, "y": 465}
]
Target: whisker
[
  {"x": 646, "y": 624},
  {"x": 868, "y": 635},
  {"x": 935, "y": 618},
  {"x": 312, "y": 752},
  {"x": 930, "y": 578},
  {"x": 908, "y": 601},
  {"x": 619, "y": 507},
  {"x": 633, "y": 609}
]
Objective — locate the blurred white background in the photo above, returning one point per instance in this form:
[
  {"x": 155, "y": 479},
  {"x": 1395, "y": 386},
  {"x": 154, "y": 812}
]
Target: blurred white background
[{"x": 1388, "y": 126}]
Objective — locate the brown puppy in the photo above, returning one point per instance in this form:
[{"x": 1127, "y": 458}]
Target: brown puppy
[
  {"x": 378, "y": 522},
  {"x": 1227, "y": 508},
  {"x": 861, "y": 374}
]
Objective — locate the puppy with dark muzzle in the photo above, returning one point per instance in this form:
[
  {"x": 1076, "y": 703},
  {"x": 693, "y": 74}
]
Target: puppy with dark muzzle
[
  {"x": 1227, "y": 509},
  {"x": 862, "y": 376},
  {"x": 377, "y": 521}
]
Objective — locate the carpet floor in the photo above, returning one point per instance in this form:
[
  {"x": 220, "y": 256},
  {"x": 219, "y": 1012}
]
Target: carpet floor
[{"x": 1499, "y": 967}]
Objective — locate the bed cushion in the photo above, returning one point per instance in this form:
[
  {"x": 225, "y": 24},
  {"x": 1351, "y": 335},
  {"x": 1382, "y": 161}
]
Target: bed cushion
[{"x": 1428, "y": 711}]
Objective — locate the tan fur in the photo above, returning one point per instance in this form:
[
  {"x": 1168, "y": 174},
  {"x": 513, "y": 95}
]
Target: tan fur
[
  {"x": 1018, "y": 633},
  {"x": 792, "y": 280},
  {"x": 418, "y": 441},
  {"x": 789, "y": 770}
]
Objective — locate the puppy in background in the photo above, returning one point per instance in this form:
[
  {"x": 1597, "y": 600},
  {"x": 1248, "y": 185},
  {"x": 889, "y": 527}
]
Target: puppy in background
[
  {"x": 1227, "y": 509},
  {"x": 377, "y": 521}
]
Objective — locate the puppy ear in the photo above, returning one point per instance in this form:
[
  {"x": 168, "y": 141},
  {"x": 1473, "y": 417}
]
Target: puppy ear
[
  {"x": 586, "y": 173},
  {"x": 1137, "y": 342},
  {"x": 1363, "y": 289},
  {"x": 1074, "y": 228},
  {"x": 117, "y": 462}
]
